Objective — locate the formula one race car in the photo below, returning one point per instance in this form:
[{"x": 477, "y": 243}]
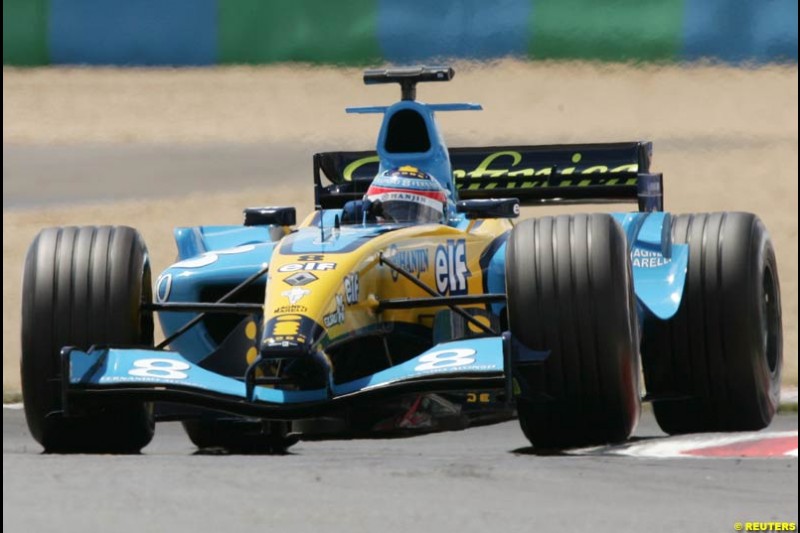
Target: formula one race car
[{"x": 411, "y": 301}]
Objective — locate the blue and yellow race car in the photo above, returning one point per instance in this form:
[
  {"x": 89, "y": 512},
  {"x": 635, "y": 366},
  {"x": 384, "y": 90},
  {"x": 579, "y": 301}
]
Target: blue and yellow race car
[{"x": 411, "y": 300}]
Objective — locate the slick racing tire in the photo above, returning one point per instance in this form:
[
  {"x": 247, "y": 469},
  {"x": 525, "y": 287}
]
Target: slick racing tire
[
  {"x": 720, "y": 356},
  {"x": 570, "y": 292},
  {"x": 238, "y": 436},
  {"x": 83, "y": 286}
]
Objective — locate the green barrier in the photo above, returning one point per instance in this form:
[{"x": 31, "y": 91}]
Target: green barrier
[
  {"x": 25, "y": 32},
  {"x": 316, "y": 31},
  {"x": 642, "y": 30}
]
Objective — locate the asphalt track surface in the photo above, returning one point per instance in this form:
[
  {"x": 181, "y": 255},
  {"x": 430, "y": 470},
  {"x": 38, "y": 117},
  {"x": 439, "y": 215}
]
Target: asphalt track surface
[
  {"x": 483, "y": 479},
  {"x": 41, "y": 175}
]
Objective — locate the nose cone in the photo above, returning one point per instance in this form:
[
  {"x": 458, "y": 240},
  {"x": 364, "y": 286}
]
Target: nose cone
[
  {"x": 307, "y": 288},
  {"x": 291, "y": 339},
  {"x": 289, "y": 335}
]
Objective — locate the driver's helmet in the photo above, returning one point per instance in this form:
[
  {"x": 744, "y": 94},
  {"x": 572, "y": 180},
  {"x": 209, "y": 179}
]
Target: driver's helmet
[{"x": 407, "y": 194}]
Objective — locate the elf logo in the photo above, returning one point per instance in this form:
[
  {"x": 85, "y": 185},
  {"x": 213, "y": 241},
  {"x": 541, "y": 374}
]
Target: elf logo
[
  {"x": 295, "y": 267},
  {"x": 451, "y": 267},
  {"x": 351, "y": 288}
]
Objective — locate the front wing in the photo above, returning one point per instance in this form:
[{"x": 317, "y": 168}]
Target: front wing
[{"x": 151, "y": 375}]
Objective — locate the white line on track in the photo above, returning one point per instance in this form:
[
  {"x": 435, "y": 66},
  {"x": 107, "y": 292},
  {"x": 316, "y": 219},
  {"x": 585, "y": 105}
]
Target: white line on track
[{"x": 693, "y": 446}]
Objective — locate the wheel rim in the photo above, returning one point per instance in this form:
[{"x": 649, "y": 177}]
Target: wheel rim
[{"x": 770, "y": 320}]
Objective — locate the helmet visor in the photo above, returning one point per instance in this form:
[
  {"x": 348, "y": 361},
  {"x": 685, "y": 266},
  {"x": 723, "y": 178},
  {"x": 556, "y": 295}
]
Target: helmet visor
[{"x": 405, "y": 207}]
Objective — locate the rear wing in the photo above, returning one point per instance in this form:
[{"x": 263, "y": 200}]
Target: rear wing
[{"x": 567, "y": 173}]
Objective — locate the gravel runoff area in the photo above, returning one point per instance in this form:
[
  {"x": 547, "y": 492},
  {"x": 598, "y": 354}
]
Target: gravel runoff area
[{"x": 725, "y": 138}]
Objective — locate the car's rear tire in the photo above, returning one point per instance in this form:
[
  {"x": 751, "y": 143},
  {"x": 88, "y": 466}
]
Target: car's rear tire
[
  {"x": 569, "y": 287},
  {"x": 720, "y": 356},
  {"x": 83, "y": 286},
  {"x": 238, "y": 436}
]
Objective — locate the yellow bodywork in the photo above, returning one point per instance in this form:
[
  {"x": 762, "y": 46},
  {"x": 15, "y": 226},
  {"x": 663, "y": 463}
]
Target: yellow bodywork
[{"x": 342, "y": 309}]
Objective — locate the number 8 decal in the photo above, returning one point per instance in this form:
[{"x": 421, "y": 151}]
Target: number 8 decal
[
  {"x": 446, "y": 359},
  {"x": 159, "y": 368}
]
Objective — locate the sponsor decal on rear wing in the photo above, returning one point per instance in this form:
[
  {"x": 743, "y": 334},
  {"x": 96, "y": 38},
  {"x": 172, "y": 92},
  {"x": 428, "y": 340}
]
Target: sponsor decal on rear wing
[{"x": 580, "y": 173}]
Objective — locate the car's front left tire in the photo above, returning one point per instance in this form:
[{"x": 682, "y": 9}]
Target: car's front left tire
[{"x": 570, "y": 293}]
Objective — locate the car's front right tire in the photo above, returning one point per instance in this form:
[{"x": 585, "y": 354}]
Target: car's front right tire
[{"x": 83, "y": 286}]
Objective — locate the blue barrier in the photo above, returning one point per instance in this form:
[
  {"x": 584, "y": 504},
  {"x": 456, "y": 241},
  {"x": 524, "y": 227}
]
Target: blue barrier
[
  {"x": 746, "y": 30},
  {"x": 133, "y": 32},
  {"x": 411, "y": 30}
]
